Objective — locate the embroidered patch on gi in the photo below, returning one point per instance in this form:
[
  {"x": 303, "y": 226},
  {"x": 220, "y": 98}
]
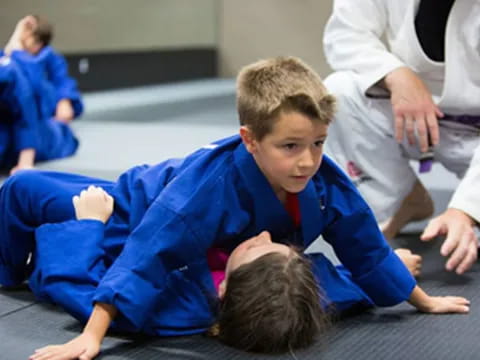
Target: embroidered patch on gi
[{"x": 356, "y": 174}]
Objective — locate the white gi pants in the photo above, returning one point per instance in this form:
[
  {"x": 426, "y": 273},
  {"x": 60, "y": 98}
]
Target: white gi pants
[{"x": 361, "y": 141}]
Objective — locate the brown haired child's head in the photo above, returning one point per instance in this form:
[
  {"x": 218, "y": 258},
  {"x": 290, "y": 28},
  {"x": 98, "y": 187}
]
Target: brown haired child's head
[
  {"x": 42, "y": 31},
  {"x": 37, "y": 33},
  {"x": 271, "y": 304}
]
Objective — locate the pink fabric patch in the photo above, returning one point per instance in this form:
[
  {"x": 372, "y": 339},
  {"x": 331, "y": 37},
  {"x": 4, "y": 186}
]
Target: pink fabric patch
[{"x": 217, "y": 262}]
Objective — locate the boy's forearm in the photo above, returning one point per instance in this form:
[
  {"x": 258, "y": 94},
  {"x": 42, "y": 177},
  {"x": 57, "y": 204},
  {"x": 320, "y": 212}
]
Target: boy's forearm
[
  {"x": 420, "y": 299},
  {"x": 99, "y": 321},
  {"x": 26, "y": 157}
]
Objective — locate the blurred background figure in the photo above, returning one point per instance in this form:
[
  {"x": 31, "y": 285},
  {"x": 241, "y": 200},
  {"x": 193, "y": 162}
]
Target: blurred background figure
[{"x": 38, "y": 98}]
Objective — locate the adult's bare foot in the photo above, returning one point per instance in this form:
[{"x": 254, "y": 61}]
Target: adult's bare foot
[{"x": 416, "y": 206}]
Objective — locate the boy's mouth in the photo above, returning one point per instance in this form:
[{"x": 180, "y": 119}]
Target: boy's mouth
[{"x": 300, "y": 177}]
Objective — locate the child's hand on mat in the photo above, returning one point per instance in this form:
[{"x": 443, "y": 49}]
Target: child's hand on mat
[
  {"x": 83, "y": 347},
  {"x": 438, "y": 304},
  {"x": 412, "y": 261},
  {"x": 446, "y": 304},
  {"x": 93, "y": 203}
]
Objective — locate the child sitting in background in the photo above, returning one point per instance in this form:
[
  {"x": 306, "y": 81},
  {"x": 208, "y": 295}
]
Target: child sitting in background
[
  {"x": 33, "y": 88},
  {"x": 30, "y": 41}
]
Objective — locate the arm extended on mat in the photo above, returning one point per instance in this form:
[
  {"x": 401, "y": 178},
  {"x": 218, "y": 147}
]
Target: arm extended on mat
[
  {"x": 95, "y": 204},
  {"x": 85, "y": 346}
]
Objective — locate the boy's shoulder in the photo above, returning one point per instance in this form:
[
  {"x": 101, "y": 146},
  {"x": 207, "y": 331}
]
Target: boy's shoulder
[
  {"x": 212, "y": 155},
  {"x": 200, "y": 173}
]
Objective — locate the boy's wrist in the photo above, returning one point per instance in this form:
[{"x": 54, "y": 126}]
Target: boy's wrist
[
  {"x": 92, "y": 217},
  {"x": 421, "y": 300}
]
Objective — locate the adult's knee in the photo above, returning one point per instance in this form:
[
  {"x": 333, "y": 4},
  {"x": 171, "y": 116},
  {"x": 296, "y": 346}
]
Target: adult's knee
[{"x": 343, "y": 86}]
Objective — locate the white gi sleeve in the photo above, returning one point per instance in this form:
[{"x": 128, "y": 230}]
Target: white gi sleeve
[
  {"x": 352, "y": 40},
  {"x": 467, "y": 194}
]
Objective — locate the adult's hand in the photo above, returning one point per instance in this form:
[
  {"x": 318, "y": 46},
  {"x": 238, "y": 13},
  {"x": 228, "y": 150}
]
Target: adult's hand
[
  {"x": 461, "y": 243},
  {"x": 413, "y": 108}
]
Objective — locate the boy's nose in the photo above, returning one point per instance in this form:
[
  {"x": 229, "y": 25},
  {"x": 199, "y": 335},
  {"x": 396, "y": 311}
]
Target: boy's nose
[
  {"x": 264, "y": 237},
  {"x": 307, "y": 160}
]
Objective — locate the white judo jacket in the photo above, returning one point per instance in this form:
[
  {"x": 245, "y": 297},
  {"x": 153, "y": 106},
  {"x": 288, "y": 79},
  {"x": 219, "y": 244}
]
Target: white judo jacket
[{"x": 353, "y": 41}]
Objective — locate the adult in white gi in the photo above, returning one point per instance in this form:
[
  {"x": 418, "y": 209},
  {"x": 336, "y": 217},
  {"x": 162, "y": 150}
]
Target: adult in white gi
[{"x": 415, "y": 97}]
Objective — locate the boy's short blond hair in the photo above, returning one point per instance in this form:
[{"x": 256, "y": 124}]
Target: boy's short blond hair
[{"x": 268, "y": 87}]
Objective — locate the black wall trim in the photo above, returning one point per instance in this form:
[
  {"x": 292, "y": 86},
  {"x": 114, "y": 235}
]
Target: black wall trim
[{"x": 103, "y": 71}]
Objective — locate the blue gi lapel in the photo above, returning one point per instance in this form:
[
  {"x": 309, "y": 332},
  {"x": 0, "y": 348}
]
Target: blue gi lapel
[
  {"x": 312, "y": 212},
  {"x": 268, "y": 212}
]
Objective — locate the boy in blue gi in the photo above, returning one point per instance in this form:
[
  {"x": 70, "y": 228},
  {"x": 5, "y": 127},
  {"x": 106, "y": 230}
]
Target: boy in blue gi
[
  {"x": 30, "y": 42},
  {"x": 146, "y": 268},
  {"x": 28, "y": 99}
]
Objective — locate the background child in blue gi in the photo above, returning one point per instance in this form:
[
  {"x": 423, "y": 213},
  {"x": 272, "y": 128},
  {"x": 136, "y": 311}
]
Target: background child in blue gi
[
  {"x": 146, "y": 268},
  {"x": 30, "y": 93},
  {"x": 32, "y": 36}
]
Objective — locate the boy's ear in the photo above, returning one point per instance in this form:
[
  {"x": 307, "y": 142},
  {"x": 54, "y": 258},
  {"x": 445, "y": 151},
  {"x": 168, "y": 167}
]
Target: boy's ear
[
  {"x": 221, "y": 289},
  {"x": 248, "y": 139}
]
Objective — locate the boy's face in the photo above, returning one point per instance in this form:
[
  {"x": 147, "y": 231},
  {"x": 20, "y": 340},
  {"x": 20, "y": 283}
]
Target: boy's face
[
  {"x": 290, "y": 154},
  {"x": 30, "y": 43}
]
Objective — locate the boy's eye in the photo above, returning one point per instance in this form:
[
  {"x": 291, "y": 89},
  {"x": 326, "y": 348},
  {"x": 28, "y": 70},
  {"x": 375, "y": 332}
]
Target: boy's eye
[
  {"x": 290, "y": 146},
  {"x": 319, "y": 143}
]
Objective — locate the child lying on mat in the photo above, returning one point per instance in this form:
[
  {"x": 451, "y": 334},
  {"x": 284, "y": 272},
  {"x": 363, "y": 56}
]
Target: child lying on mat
[
  {"x": 259, "y": 278},
  {"x": 144, "y": 267}
]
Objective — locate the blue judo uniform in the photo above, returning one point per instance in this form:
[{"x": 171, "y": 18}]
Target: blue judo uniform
[
  {"x": 149, "y": 260},
  {"x": 27, "y": 101},
  {"x": 48, "y": 70}
]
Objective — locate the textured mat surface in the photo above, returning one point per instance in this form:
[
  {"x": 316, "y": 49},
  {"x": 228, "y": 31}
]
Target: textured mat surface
[{"x": 393, "y": 333}]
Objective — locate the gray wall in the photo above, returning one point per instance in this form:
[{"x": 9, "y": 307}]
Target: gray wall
[
  {"x": 243, "y": 31},
  {"x": 254, "y": 29},
  {"x": 113, "y": 25}
]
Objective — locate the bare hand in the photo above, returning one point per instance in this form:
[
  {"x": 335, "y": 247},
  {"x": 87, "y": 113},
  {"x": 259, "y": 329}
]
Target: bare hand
[
  {"x": 64, "y": 112},
  {"x": 93, "y": 203},
  {"x": 23, "y": 28},
  {"x": 26, "y": 24},
  {"x": 83, "y": 347},
  {"x": 461, "y": 241},
  {"x": 446, "y": 304},
  {"x": 413, "y": 108},
  {"x": 413, "y": 262}
]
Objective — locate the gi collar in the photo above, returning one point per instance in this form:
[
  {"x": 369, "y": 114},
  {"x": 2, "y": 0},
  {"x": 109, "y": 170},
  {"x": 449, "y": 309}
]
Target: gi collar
[{"x": 268, "y": 212}]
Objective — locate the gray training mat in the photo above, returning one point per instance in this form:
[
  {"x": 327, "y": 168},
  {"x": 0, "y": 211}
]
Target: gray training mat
[
  {"x": 124, "y": 128},
  {"x": 392, "y": 333}
]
